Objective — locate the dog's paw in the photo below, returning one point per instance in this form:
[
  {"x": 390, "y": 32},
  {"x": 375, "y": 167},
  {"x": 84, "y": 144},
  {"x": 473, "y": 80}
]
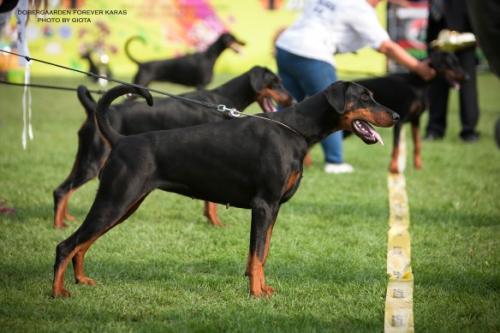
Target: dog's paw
[
  {"x": 85, "y": 280},
  {"x": 60, "y": 225},
  {"x": 267, "y": 290},
  {"x": 263, "y": 291},
  {"x": 418, "y": 164},
  {"x": 60, "y": 292},
  {"x": 394, "y": 168}
]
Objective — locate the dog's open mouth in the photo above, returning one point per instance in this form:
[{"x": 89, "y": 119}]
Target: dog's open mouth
[
  {"x": 268, "y": 104},
  {"x": 366, "y": 132}
]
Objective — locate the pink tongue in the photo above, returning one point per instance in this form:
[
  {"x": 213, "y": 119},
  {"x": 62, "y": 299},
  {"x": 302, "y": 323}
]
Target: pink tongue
[
  {"x": 378, "y": 137},
  {"x": 269, "y": 105}
]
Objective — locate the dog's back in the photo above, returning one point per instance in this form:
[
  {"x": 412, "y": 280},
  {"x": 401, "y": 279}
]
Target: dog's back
[{"x": 195, "y": 69}]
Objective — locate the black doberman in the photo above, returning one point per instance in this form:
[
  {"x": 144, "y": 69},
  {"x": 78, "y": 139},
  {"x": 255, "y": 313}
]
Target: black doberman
[
  {"x": 258, "y": 167},
  {"x": 258, "y": 84},
  {"x": 194, "y": 70},
  {"x": 406, "y": 94}
]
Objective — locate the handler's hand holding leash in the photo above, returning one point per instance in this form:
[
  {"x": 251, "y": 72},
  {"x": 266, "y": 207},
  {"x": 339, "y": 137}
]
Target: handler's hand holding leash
[{"x": 425, "y": 71}]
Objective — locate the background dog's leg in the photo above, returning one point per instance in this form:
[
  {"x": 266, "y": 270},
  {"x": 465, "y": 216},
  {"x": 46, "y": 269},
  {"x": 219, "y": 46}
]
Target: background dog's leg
[
  {"x": 263, "y": 219},
  {"x": 77, "y": 177},
  {"x": 308, "y": 161},
  {"x": 393, "y": 167},
  {"x": 210, "y": 211},
  {"x": 417, "y": 146}
]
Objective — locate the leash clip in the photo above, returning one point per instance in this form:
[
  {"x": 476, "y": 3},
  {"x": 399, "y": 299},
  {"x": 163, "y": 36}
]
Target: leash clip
[{"x": 230, "y": 111}]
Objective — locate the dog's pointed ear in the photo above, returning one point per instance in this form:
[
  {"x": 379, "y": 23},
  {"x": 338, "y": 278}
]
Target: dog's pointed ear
[
  {"x": 336, "y": 95},
  {"x": 257, "y": 74}
]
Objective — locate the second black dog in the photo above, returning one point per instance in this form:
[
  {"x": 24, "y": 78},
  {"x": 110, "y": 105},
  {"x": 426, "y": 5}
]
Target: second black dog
[
  {"x": 258, "y": 84},
  {"x": 407, "y": 94},
  {"x": 194, "y": 70}
]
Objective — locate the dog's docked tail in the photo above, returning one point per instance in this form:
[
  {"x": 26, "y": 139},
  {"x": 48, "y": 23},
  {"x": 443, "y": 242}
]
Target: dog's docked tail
[
  {"x": 86, "y": 99},
  {"x": 127, "y": 51},
  {"x": 108, "y": 132}
]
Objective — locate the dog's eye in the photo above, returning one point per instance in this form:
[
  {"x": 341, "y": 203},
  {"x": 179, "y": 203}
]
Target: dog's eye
[{"x": 365, "y": 97}]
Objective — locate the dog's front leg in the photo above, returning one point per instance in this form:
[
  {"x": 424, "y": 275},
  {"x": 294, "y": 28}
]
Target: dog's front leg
[
  {"x": 394, "y": 167},
  {"x": 417, "y": 146},
  {"x": 263, "y": 217}
]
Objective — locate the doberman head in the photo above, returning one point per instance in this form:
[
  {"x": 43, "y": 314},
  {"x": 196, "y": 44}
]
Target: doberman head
[
  {"x": 358, "y": 111},
  {"x": 228, "y": 40},
  {"x": 448, "y": 67},
  {"x": 269, "y": 89}
]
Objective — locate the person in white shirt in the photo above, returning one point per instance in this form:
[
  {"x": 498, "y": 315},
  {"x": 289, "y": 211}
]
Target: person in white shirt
[{"x": 304, "y": 54}]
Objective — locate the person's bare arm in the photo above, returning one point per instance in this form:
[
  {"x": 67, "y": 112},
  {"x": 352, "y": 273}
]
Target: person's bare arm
[
  {"x": 398, "y": 54},
  {"x": 402, "y": 3}
]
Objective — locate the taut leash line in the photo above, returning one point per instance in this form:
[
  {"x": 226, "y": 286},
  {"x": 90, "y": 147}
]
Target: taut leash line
[
  {"x": 111, "y": 79},
  {"x": 47, "y": 86},
  {"x": 218, "y": 107}
]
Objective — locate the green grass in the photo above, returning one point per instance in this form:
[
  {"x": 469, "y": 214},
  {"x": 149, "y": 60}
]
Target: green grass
[{"x": 166, "y": 270}]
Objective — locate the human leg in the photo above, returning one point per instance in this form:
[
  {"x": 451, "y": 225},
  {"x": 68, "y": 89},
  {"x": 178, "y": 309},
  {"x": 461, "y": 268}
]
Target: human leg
[
  {"x": 306, "y": 77},
  {"x": 469, "y": 107},
  {"x": 318, "y": 75},
  {"x": 438, "y": 107},
  {"x": 286, "y": 62}
]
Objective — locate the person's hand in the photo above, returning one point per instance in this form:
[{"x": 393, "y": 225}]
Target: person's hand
[{"x": 425, "y": 71}]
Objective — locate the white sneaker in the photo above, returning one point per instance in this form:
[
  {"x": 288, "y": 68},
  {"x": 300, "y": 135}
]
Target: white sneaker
[{"x": 338, "y": 168}]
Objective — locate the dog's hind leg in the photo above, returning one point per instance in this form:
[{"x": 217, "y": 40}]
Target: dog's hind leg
[
  {"x": 210, "y": 212},
  {"x": 116, "y": 200},
  {"x": 78, "y": 259},
  {"x": 61, "y": 196},
  {"x": 263, "y": 219},
  {"x": 91, "y": 154},
  {"x": 79, "y": 175}
]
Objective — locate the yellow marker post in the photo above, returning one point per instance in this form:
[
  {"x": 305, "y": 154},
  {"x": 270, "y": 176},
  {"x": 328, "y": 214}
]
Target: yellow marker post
[{"x": 399, "y": 297}]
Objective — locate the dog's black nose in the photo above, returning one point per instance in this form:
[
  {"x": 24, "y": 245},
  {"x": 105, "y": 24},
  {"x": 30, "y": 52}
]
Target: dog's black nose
[{"x": 395, "y": 116}]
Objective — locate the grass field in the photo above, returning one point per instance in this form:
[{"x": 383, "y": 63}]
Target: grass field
[{"x": 166, "y": 270}]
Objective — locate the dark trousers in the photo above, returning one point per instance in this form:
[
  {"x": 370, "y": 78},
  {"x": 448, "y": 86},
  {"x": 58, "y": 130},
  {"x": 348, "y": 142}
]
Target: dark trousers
[
  {"x": 469, "y": 109},
  {"x": 455, "y": 17}
]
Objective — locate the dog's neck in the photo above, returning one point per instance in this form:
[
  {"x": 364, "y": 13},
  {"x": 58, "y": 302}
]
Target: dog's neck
[
  {"x": 214, "y": 50},
  {"x": 314, "y": 118},
  {"x": 241, "y": 87}
]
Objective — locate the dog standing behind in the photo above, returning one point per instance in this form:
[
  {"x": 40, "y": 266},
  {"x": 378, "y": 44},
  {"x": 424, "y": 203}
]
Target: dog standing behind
[
  {"x": 258, "y": 84},
  {"x": 407, "y": 94},
  {"x": 258, "y": 166},
  {"x": 194, "y": 70}
]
